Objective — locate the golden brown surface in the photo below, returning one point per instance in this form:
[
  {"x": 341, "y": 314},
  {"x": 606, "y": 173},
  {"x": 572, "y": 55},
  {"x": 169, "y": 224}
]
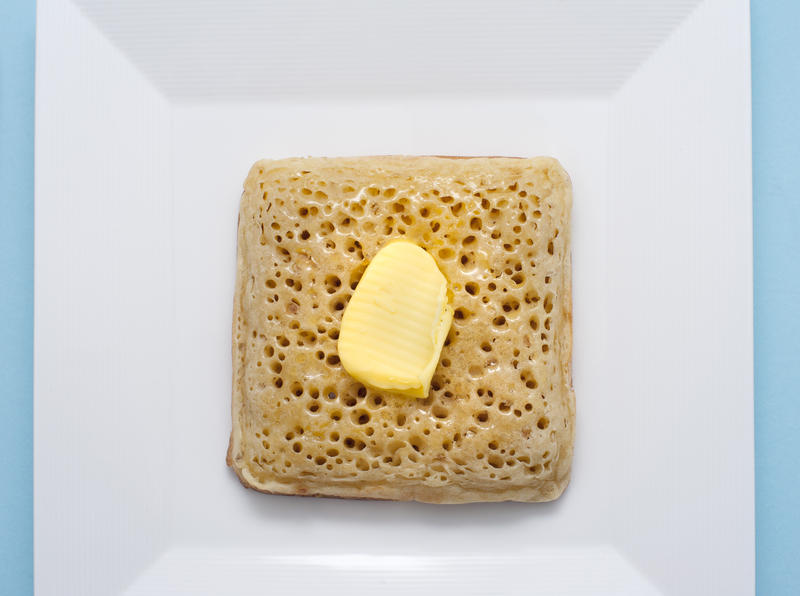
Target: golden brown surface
[{"x": 499, "y": 421}]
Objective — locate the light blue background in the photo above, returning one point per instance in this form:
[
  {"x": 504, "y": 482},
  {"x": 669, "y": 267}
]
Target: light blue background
[
  {"x": 16, "y": 296},
  {"x": 776, "y": 225},
  {"x": 776, "y": 185}
]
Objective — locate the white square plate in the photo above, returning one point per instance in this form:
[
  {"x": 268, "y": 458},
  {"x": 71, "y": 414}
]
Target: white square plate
[{"x": 148, "y": 116}]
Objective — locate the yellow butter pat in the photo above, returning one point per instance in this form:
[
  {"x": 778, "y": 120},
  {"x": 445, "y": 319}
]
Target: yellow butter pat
[{"x": 396, "y": 322}]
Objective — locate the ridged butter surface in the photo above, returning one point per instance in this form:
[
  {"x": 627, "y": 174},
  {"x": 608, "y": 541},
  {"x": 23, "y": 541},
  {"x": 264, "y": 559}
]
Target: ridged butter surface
[{"x": 396, "y": 322}]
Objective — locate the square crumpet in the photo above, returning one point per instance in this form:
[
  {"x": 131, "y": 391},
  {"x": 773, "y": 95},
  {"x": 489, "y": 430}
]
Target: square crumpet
[{"x": 498, "y": 423}]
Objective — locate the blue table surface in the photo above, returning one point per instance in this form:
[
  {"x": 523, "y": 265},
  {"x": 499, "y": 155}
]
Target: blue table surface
[{"x": 776, "y": 204}]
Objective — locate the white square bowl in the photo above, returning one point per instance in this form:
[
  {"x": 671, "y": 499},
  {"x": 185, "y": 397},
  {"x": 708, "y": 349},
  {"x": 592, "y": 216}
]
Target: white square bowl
[{"x": 148, "y": 116}]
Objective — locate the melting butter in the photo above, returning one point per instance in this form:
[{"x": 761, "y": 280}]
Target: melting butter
[{"x": 395, "y": 324}]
